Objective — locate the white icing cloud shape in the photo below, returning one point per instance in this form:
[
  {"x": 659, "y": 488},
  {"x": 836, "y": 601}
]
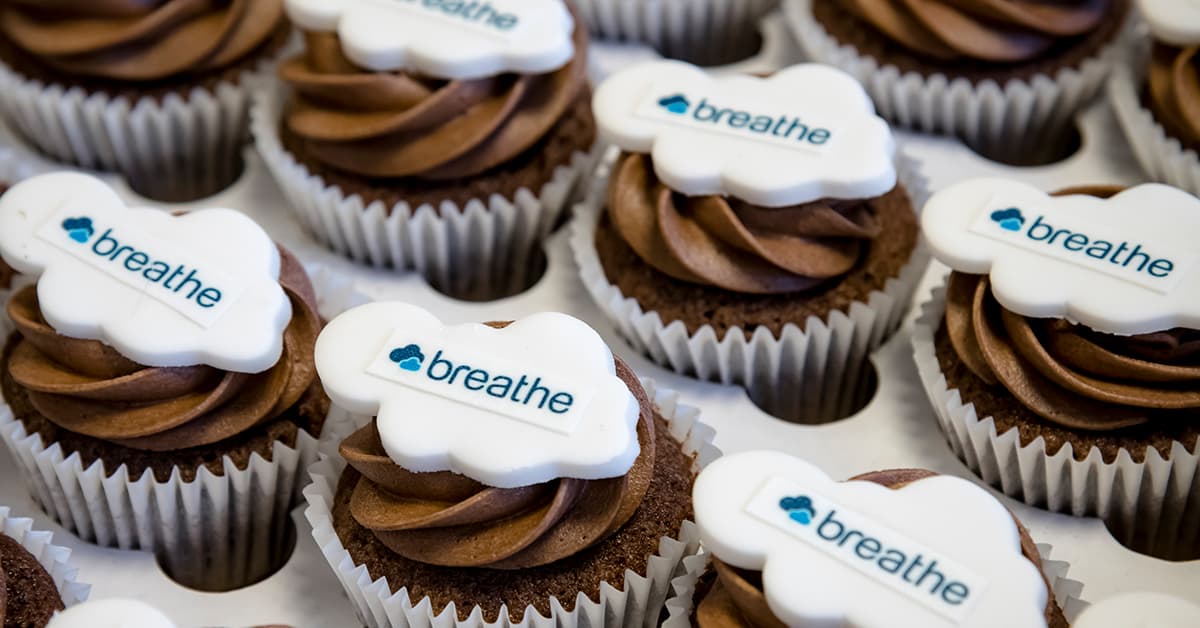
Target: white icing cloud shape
[
  {"x": 1175, "y": 22},
  {"x": 107, "y": 272},
  {"x": 451, "y": 398},
  {"x": 445, "y": 39},
  {"x": 806, "y": 132},
  {"x": 1140, "y": 610},
  {"x": 810, "y": 581},
  {"x": 111, "y": 613},
  {"x": 1124, "y": 265}
]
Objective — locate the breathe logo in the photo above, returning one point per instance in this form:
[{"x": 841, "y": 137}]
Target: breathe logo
[
  {"x": 1086, "y": 245},
  {"x": 712, "y": 115},
  {"x": 480, "y": 14},
  {"x": 134, "y": 263},
  {"x": 408, "y": 357},
  {"x": 1009, "y": 219},
  {"x": 864, "y": 543}
]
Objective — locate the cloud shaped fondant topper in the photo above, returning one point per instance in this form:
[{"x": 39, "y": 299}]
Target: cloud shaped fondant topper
[
  {"x": 111, "y": 613},
  {"x": 163, "y": 290},
  {"x": 804, "y": 133},
  {"x": 1140, "y": 610},
  {"x": 522, "y": 405},
  {"x": 449, "y": 40},
  {"x": 1175, "y": 22},
  {"x": 1107, "y": 263},
  {"x": 937, "y": 552}
]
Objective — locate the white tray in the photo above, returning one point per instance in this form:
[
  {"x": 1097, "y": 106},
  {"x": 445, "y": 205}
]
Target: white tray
[{"x": 897, "y": 429}]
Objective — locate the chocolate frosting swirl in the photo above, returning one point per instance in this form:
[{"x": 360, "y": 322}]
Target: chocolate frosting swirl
[
  {"x": 1002, "y": 31},
  {"x": 730, "y": 244},
  {"x": 140, "y": 40},
  {"x": 449, "y": 520},
  {"x": 737, "y": 598},
  {"x": 1069, "y": 374},
  {"x": 88, "y": 388},
  {"x": 398, "y": 124},
  {"x": 1174, "y": 91}
]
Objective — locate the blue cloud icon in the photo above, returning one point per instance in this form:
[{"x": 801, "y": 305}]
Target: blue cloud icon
[
  {"x": 80, "y": 229},
  {"x": 1009, "y": 219},
  {"x": 409, "y": 358},
  {"x": 677, "y": 104},
  {"x": 799, "y": 508}
]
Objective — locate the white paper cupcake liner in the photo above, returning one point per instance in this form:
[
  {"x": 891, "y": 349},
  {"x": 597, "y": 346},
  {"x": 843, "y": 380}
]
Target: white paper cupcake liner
[
  {"x": 213, "y": 533},
  {"x": 485, "y": 250},
  {"x": 1148, "y": 506},
  {"x": 706, "y": 32},
  {"x": 811, "y": 376},
  {"x": 683, "y": 588},
  {"x": 180, "y": 147},
  {"x": 55, "y": 559},
  {"x": 638, "y": 603},
  {"x": 1019, "y": 122},
  {"x": 1163, "y": 157}
]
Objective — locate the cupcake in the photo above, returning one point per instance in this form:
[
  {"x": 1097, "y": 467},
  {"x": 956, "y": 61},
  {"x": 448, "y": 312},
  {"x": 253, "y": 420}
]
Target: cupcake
[
  {"x": 1060, "y": 356},
  {"x": 754, "y": 231},
  {"x": 788, "y": 546},
  {"x": 445, "y": 146},
  {"x": 1148, "y": 609},
  {"x": 156, "y": 91},
  {"x": 35, "y": 579},
  {"x": 705, "y": 32},
  {"x": 161, "y": 389},
  {"x": 1007, "y": 76},
  {"x": 514, "y": 473},
  {"x": 1153, "y": 95}
]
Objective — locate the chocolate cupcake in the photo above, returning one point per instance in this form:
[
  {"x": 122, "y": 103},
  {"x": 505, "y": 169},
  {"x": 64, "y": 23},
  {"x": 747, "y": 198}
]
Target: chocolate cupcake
[
  {"x": 1006, "y": 76},
  {"x": 161, "y": 379},
  {"x": 751, "y": 233},
  {"x": 1060, "y": 357},
  {"x": 1153, "y": 95},
  {"x": 449, "y": 150},
  {"x": 36, "y": 580},
  {"x": 704, "y": 32},
  {"x": 813, "y": 551},
  {"x": 501, "y": 479},
  {"x": 156, "y": 91}
]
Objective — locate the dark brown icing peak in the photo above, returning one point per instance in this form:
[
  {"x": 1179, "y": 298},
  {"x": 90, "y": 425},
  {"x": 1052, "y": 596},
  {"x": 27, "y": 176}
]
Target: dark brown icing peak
[
  {"x": 723, "y": 242},
  {"x": 140, "y": 40},
  {"x": 86, "y": 387},
  {"x": 987, "y": 30},
  {"x": 449, "y": 520},
  {"x": 1174, "y": 92},
  {"x": 395, "y": 124}
]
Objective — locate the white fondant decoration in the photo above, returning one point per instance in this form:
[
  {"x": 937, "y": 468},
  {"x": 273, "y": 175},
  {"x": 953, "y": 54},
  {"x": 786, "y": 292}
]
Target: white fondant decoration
[
  {"x": 445, "y": 38},
  {"x": 806, "y": 132},
  {"x": 111, "y": 613},
  {"x": 1125, "y": 265},
  {"x": 163, "y": 290},
  {"x": 937, "y": 553},
  {"x": 1176, "y": 22},
  {"x": 1140, "y": 610},
  {"x": 529, "y": 403}
]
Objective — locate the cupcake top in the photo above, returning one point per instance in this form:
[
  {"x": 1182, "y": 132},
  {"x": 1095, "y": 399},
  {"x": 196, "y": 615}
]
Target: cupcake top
[
  {"x": 1140, "y": 609},
  {"x": 153, "y": 331},
  {"x": 909, "y": 548},
  {"x": 994, "y": 31},
  {"x": 139, "y": 40},
  {"x": 755, "y": 185},
  {"x": 491, "y": 445},
  {"x": 112, "y": 613},
  {"x": 1172, "y": 77},
  {"x": 33, "y": 596},
  {"x": 1083, "y": 307},
  {"x": 433, "y": 91}
]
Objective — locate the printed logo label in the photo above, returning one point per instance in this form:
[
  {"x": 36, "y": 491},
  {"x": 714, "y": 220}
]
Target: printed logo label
[
  {"x": 1092, "y": 245},
  {"x": 139, "y": 260},
  {"x": 481, "y": 17},
  {"x": 759, "y": 121},
  {"x": 862, "y": 543},
  {"x": 448, "y": 368}
]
